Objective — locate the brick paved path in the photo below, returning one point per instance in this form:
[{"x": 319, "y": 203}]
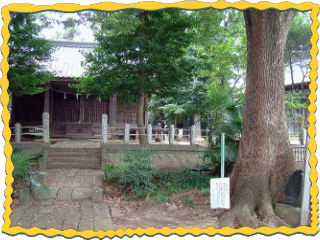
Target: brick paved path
[{"x": 75, "y": 202}]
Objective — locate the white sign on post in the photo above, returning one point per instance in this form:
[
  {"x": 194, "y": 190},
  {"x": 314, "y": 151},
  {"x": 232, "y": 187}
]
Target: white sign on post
[{"x": 220, "y": 193}]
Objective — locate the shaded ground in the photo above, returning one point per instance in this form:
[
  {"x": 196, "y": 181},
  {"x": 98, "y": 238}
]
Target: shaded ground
[{"x": 187, "y": 209}]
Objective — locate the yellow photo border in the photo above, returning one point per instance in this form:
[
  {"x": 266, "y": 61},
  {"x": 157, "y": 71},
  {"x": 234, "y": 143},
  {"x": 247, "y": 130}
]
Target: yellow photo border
[{"x": 195, "y": 231}]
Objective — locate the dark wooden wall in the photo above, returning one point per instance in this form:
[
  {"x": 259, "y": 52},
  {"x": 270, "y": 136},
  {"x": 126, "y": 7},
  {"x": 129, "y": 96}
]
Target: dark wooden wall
[
  {"x": 27, "y": 110},
  {"x": 126, "y": 114},
  {"x": 82, "y": 109}
]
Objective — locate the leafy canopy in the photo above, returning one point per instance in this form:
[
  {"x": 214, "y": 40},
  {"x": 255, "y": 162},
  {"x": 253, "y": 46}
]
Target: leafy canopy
[
  {"x": 298, "y": 46},
  {"x": 139, "y": 52},
  {"x": 27, "y": 53},
  {"x": 218, "y": 48}
]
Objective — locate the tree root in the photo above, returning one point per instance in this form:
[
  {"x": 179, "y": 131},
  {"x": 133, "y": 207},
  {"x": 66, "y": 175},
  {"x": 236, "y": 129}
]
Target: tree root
[{"x": 242, "y": 217}]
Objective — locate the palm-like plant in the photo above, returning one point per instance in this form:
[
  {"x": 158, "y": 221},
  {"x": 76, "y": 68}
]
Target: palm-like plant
[
  {"x": 225, "y": 117},
  {"x": 23, "y": 162}
]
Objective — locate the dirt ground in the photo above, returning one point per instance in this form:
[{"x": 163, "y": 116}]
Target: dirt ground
[{"x": 186, "y": 209}]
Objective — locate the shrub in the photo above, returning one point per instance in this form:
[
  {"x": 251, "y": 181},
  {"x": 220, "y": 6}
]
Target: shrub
[
  {"x": 173, "y": 182},
  {"x": 23, "y": 162},
  {"x": 134, "y": 172}
]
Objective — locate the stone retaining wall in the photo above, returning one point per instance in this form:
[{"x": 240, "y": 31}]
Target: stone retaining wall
[
  {"x": 165, "y": 157},
  {"x": 32, "y": 147}
]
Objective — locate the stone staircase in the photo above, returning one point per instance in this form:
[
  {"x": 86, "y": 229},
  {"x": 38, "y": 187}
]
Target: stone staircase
[{"x": 80, "y": 158}]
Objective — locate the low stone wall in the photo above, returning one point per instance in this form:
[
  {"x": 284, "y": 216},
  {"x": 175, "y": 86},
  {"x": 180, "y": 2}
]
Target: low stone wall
[{"x": 165, "y": 157}]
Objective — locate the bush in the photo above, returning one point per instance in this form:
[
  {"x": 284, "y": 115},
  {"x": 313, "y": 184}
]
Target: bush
[
  {"x": 23, "y": 162},
  {"x": 134, "y": 172},
  {"x": 174, "y": 182}
]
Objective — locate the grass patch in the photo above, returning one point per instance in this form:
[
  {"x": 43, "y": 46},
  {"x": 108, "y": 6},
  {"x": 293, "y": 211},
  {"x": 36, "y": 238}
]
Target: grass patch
[
  {"x": 188, "y": 201},
  {"x": 174, "y": 182}
]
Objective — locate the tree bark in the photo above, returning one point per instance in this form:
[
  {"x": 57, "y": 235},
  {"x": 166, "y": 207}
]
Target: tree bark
[
  {"x": 141, "y": 123},
  {"x": 196, "y": 118},
  {"x": 265, "y": 160}
]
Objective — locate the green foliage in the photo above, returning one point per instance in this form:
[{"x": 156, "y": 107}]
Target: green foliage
[
  {"x": 227, "y": 117},
  {"x": 183, "y": 180},
  {"x": 295, "y": 101},
  {"x": 70, "y": 27},
  {"x": 171, "y": 110},
  {"x": 188, "y": 100},
  {"x": 161, "y": 197},
  {"x": 27, "y": 53},
  {"x": 220, "y": 44},
  {"x": 218, "y": 49},
  {"x": 298, "y": 46},
  {"x": 188, "y": 201},
  {"x": 23, "y": 162},
  {"x": 138, "y": 52},
  {"x": 218, "y": 98},
  {"x": 134, "y": 172}
]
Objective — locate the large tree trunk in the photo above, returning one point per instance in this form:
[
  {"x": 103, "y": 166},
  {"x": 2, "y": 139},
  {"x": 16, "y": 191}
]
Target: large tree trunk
[
  {"x": 141, "y": 123},
  {"x": 265, "y": 159},
  {"x": 196, "y": 119}
]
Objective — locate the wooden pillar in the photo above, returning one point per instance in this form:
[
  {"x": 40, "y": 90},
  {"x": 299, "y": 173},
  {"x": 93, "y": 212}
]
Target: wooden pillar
[
  {"x": 112, "y": 114},
  {"x": 113, "y": 110},
  {"x": 46, "y": 100},
  {"x": 50, "y": 104},
  {"x": 82, "y": 113}
]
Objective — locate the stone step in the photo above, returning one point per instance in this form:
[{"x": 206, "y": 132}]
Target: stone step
[
  {"x": 75, "y": 150},
  {"x": 67, "y": 165},
  {"x": 74, "y": 155},
  {"x": 81, "y": 158},
  {"x": 73, "y": 160}
]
